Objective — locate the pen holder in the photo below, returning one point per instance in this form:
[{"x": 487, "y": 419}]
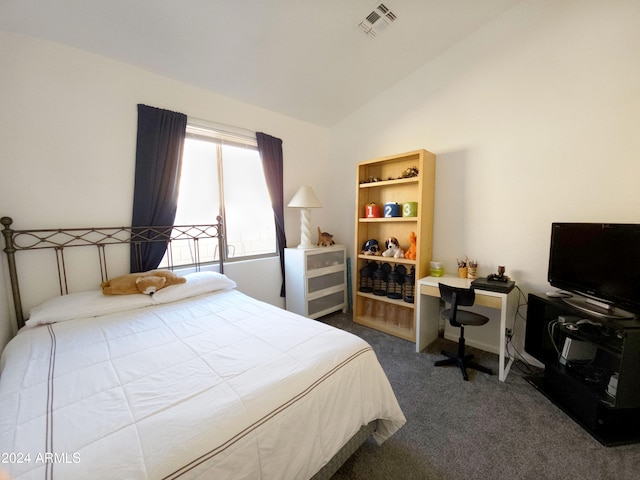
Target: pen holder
[
  {"x": 463, "y": 272},
  {"x": 472, "y": 272}
]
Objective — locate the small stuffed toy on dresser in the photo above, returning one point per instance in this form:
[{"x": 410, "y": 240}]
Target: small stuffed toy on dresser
[{"x": 324, "y": 239}]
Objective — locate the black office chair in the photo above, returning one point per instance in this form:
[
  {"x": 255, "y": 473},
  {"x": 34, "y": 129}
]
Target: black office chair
[{"x": 459, "y": 318}]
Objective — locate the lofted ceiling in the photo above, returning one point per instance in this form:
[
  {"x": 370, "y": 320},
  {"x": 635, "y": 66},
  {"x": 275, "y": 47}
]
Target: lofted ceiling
[{"x": 308, "y": 59}]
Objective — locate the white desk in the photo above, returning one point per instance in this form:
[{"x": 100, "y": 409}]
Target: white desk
[{"x": 428, "y": 313}]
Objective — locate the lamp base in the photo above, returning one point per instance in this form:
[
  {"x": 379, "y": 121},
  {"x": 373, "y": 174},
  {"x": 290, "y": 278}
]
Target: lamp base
[{"x": 305, "y": 229}]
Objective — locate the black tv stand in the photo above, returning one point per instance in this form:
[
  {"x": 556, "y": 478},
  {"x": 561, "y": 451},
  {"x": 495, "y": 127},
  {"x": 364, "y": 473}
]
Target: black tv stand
[{"x": 592, "y": 367}]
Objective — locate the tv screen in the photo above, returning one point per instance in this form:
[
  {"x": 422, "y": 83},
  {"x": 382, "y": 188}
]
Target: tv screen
[{"x": 598, "y": 260}]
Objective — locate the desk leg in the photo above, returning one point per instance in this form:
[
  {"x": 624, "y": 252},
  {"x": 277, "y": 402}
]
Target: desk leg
[
  {"x": 503, "y": 370},
  {"x": 427, "y": 318}
]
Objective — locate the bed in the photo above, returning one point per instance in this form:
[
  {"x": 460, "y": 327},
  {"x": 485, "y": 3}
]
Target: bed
[{"x": 195, "y": 381}]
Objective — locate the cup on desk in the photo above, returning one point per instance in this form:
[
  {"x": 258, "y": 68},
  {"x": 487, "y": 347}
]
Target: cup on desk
[
  {"x": 436, "y": 269},
  {"x": 472, "y": 272},
  {"x": 463, "y": 272}
]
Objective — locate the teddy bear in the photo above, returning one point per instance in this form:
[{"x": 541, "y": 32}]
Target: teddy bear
[
  {"x": 393, "y": 248},
  {"x": 411, "y": 251},
  {"x": 144, "y": 282}
]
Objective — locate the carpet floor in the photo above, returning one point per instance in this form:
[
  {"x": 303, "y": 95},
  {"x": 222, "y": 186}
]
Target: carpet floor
[{"x": 480, "y": 429}]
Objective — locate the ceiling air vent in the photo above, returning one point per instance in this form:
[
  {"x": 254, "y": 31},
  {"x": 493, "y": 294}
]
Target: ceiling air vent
[{"x": 378, "y": 20}]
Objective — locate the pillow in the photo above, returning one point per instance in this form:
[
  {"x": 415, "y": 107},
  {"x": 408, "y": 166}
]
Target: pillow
[
  {"x": 84, "y": 304},
  {"x": 197, "y": 284}
]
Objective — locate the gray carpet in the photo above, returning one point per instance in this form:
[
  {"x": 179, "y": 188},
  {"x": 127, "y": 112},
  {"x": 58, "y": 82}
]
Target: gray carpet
[{"x": 480, "y": 429}]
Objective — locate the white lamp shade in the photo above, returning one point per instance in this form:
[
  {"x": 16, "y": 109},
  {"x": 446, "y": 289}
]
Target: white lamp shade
[{"x": 305, "y": 198}]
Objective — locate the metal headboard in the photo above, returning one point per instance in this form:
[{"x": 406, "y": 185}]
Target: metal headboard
[{"x": 60, "y": 239}]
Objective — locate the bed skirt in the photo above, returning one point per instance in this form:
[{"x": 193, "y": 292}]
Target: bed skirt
[{"x": 348, "y": 449}]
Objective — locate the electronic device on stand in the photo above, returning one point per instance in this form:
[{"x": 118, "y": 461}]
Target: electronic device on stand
[
  {"x": 599, "y": 263},
  {"x": 496, "y": 282},
  {"x": 589, "y": 338}
]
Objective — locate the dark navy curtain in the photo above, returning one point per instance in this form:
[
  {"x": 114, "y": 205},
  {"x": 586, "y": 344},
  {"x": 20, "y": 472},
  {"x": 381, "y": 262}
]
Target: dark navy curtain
[
  {"x": 160, "y": 144},
  {"x": 270, "y": 149}
]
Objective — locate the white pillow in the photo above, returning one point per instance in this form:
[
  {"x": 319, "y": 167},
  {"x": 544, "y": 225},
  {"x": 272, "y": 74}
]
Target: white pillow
[
  {"x": 84, "y": 304},
  {"x": 197, "y": 284}
]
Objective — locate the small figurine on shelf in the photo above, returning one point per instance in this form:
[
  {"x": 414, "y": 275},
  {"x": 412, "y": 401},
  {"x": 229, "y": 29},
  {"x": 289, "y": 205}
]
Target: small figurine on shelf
[
  {"x": 410, "y": 172},
  {"x": 393, "y": 248},
  {"x": 411, "y": 252},
  {"x": 371, "y": 179},
  {"x": 324, "y": 239}
]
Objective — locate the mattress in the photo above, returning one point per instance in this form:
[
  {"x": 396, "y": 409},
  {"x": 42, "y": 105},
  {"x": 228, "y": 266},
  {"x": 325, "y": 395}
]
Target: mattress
[{"x": 218, "y": 386}]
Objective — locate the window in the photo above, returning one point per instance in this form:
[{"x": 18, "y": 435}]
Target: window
[{"x": 222, "y": 175}]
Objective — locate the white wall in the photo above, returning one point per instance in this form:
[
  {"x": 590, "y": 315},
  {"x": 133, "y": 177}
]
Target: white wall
[
  {"x": 67, "y": 145},
  {"x": 534, "y": 118}
]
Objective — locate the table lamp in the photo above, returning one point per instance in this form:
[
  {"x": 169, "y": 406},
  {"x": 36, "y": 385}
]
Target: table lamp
[{"x": 305, "y": 199}]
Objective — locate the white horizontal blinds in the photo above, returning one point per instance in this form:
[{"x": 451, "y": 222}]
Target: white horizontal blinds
[{"x": 226, "y": 135}]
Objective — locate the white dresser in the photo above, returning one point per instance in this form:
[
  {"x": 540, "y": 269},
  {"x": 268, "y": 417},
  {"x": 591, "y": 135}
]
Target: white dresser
[{"x": 316, "y": 280}]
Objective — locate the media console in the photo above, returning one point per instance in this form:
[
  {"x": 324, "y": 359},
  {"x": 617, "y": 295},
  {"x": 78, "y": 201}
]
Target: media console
[{"x": 592, "y": 367}]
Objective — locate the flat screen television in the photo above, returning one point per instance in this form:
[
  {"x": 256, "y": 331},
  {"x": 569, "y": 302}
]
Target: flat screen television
[{"x": 601, "y": 263}]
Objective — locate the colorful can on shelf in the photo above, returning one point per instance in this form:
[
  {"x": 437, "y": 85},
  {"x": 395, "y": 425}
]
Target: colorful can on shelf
[
  {"x": 372, "y": 211},
  {"x": 392, "y": 210},
  {"x": 410, "y": 209}
]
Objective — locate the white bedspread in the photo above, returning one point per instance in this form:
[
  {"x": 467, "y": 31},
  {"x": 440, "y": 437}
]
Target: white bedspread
[{"x": 220, "y": 386}]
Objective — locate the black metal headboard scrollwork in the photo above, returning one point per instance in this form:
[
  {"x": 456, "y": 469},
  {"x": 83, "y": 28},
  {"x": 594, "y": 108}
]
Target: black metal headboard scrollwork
[{"x": 60, "y": 239}]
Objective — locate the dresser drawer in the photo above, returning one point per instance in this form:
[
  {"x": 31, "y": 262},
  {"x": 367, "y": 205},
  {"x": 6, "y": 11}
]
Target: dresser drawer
[
  {"x": 331, "y": 302},
  {"x": 315, "y": 284},
  {"x": 317, "y": 261}
]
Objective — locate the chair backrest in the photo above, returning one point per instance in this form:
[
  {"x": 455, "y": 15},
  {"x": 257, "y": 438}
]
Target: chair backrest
[{"x": 456, "y": 295}]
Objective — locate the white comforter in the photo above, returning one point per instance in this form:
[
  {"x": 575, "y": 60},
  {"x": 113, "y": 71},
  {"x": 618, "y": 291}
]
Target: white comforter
[{"x": 218, "y": 386}]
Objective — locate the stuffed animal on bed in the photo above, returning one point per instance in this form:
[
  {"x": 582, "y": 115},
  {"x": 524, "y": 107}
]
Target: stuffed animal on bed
[
  {"x": 144, "y": 282},
  {"x": 393, "y": 248},
  {"x": 411, "y": 252}
]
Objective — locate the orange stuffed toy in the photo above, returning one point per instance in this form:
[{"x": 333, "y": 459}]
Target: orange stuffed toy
[
  {"x": 411, "y": 251},
  {"x": 145, "y": 282}
]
